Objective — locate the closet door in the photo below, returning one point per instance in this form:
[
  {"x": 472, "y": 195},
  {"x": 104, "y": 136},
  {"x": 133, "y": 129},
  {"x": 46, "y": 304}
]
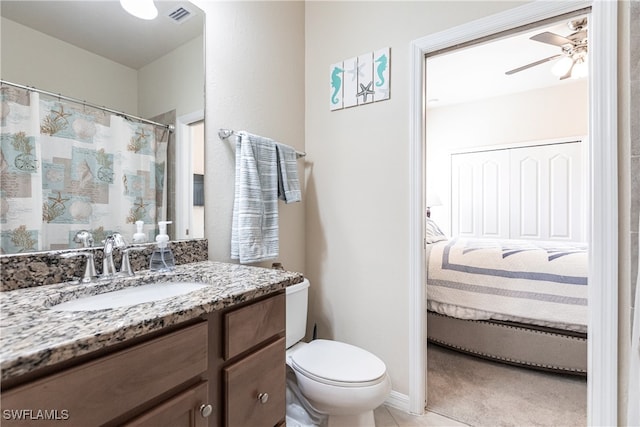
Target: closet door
[
  {"x": 480, "y": 194},
  {"x": 547, "y": 192}
]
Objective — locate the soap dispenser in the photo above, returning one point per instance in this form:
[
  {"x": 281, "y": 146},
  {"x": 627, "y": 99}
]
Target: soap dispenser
[
  {"x": 162, "y": 259},
  {"x": 139, "y": 236}
]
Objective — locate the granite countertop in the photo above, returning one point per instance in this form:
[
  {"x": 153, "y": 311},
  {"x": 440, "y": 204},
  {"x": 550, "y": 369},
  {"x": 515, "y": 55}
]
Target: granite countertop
[{"x": 34, "y": 336}]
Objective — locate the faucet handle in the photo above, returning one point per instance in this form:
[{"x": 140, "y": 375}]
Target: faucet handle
[
  {"x": 125, "y": 268},
  {"x": 84, "y": 238},
  {"x": 90, "y": 267},
  {"x": 118, "y": 240}
]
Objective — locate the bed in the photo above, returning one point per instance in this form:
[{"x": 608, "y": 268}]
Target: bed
[{"x": 514, "y": 301}]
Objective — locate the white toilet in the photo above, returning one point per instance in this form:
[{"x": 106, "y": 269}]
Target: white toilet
[{"x": 341, "y": 380}]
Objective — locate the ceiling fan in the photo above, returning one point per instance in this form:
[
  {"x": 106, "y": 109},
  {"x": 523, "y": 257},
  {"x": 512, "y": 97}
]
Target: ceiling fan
[{"x": 572, "y": 62}]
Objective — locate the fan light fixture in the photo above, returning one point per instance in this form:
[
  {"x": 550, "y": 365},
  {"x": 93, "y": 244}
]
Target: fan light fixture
[
  {"x": 572, "y": 61},
  {"x": 143, "y": 9},
  {"x": 580, "y": 68},
  {"x": 574, "y": 66},
  {"x": 563, "y": 66}
]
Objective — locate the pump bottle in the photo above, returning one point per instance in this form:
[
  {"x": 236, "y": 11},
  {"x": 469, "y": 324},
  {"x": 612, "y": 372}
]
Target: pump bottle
[
  {"x": 162, "y": 259},
  {"x": 139, "y": 236}
]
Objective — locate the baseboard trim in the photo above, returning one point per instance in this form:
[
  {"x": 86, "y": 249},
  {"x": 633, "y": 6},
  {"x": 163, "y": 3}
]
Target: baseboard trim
[{"x": 398, "y": 401}]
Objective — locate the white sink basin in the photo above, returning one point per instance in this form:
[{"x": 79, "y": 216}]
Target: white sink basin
[{"x": 129, "y": 296}]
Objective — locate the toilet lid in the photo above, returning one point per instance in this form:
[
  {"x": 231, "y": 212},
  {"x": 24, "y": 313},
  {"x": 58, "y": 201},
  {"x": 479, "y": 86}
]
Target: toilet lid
[{"x": 338, "y": 361}]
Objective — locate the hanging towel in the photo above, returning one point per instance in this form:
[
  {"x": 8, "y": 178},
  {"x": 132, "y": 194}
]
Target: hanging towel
[
  {"x": 288, "y": 184},
  {"x": 254, "y": 232}
]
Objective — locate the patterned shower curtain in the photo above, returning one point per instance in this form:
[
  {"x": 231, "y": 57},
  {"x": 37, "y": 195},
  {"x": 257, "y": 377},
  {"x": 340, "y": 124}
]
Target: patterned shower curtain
[{"x": 66, "y": 167}]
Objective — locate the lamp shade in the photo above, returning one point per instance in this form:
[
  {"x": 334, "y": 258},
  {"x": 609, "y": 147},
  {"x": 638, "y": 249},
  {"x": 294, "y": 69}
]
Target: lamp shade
[
  {"x": 562, "y": 67},
  {"x": 433, "y": 200},
  {"x": 143, "y": 9},
  {"x": 581, "y": 69}
]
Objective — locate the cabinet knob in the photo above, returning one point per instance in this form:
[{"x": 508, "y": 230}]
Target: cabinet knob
[
  {"x": 263, "y": 397},
  {"x": 205, "y": 410}
]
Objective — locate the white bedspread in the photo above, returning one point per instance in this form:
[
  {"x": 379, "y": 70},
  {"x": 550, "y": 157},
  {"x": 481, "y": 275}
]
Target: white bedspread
[{"x": 541, "y": 283}]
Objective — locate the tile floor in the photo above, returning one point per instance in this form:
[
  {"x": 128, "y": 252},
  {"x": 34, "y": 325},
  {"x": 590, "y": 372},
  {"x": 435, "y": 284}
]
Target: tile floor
[{"x": 387, "y": 416}]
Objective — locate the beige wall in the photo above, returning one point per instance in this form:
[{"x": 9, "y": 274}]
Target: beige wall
[
  {"x": 173, "y": 82},
  {"x": 634, "y": 136},
  {"x": 358, "y": 174},
  {"x": 564, "y": 111},
  {"x": 35, "y": 59},
  {"x": 254, "y": 82},
  {"x": 629, "y": 186}
]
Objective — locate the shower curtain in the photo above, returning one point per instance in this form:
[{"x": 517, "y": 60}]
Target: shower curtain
[{"x": 66, "y": 167}]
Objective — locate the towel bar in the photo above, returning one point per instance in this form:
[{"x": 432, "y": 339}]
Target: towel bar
[{"x": 226, "y": 133}]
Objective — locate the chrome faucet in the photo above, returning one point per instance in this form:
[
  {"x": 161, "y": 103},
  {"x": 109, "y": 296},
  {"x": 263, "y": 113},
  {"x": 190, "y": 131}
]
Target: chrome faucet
[
  {"x": 84, "y": 238},
  {"x": 110, "y": 243}
]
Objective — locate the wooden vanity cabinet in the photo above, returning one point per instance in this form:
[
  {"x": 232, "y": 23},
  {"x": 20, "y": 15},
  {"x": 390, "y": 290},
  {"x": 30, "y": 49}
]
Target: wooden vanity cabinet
[
  {"x": 226, "y": 371},
  {"x": 249, "y": 341},
  {"x": 165, "y": 375}
]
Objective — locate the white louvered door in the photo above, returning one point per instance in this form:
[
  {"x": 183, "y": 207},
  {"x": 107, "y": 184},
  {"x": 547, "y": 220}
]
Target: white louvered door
[
  {"x": 546, "y": 192},
  {"x": 480, "y": 202},
  {"x": 533, "y": 193}
]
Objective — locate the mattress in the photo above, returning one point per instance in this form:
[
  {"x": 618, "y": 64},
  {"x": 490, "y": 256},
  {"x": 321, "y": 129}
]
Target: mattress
[{"x": 538, "y": 283}]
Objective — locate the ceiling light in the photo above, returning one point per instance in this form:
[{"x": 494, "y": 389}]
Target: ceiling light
[
  {"x": 581, "y": 69},
  {"x": 562, "y": 67},
  {"x": 143, "y": 9}
]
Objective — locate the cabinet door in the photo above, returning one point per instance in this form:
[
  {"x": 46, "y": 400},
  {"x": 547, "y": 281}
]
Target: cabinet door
[
  {"x": 253, "y": 324},
  {"x": 184, "y": 410},
  {"x": 547, "y": 190},
  {"x": 255, "y": 388},
  {"x": 99, "y": 391},
  {"x": 480, "y": 194}
]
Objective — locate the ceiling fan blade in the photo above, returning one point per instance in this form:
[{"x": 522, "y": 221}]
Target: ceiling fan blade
[
  {"x": 551, "y": 38},
  {"x": 568, "y": 73},
  {"x": 533, "y": 64}
]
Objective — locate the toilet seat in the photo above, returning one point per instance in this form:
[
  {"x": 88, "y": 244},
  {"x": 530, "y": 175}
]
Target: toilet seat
[{"x": 338, "y": 364}]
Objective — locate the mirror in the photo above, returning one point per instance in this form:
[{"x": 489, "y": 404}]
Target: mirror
[{"x": 96, "y": 52}]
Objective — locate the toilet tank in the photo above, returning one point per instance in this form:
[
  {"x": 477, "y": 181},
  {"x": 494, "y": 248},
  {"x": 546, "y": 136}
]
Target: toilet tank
[{"x": 297, "y": 301}]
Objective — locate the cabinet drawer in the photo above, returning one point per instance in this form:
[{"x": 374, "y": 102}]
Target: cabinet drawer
[
  {"x": 260, "y": 372},
  {"x": 98, "y": 391},
  {"x": 252, "y": 324},
  {"x": 182, "y": 410}
]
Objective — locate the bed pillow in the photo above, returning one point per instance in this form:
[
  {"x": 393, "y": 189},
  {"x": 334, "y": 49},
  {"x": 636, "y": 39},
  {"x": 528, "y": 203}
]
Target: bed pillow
[{"x": 433, "y": 233}]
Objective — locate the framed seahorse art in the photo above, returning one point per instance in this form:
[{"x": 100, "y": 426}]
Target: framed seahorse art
[
  {"x": 337, "y": 86},
  {"x": 381, "y": 63},
  {"x": 360, "y": 80}
]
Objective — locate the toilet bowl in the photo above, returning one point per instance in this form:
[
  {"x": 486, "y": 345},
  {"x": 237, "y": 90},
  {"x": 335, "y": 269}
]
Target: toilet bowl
[{"x": 338, "y": 379}]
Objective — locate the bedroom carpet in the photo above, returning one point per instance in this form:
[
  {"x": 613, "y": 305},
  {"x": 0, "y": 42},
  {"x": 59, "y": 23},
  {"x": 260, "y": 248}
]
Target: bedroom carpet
[{"x": 479, "y": 392}]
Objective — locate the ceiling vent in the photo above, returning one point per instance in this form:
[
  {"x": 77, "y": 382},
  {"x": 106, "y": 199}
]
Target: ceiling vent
[{"x": 180, "y": 14}]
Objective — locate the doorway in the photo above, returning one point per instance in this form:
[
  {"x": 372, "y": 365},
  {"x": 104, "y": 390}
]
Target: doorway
[
  {"x": 493, "y": 181},
  {"x": 602, "y": 212},
  {"x": 190, "y": 147}
]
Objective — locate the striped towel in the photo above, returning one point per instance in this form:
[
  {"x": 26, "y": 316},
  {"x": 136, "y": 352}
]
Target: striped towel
[
  {"x": 254, "y": 232},
  {"x": 288, "y": 184}
]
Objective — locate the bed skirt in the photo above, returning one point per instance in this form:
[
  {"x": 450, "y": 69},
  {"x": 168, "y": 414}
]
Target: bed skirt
[{"x": 513, "y": 343}]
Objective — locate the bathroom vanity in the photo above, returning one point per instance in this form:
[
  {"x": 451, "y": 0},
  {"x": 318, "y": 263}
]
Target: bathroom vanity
[{"x": 212, "y": 357}]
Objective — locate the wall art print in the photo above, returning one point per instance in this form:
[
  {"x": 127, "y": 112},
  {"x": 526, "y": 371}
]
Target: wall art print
[
  {"x": 360, "y": 80},
  {"x": 66, "y": 167}
]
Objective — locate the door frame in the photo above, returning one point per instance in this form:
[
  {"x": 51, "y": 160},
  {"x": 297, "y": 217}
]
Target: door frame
[
  {"x": 602, "y": 215},
  {"x": 184, "y": 174}
]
